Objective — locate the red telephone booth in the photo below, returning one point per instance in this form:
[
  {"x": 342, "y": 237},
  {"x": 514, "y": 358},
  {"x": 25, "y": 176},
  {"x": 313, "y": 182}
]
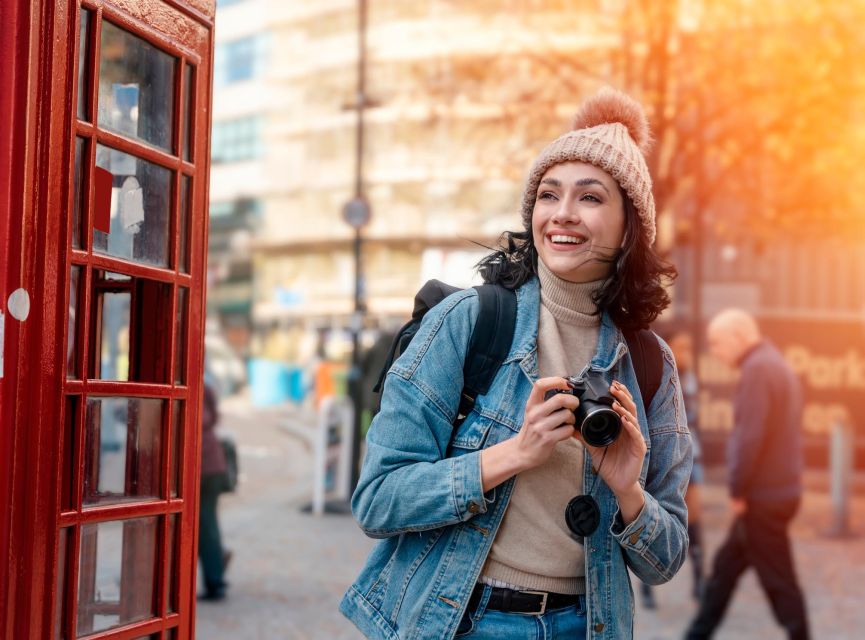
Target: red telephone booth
[{"x": 104, "y": 161}]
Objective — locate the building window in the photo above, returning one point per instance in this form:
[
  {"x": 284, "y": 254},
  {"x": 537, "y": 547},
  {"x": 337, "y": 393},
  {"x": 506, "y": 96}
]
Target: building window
[
  {"x": 235, "y": 140},
  {"x": 239, "y": 60}
]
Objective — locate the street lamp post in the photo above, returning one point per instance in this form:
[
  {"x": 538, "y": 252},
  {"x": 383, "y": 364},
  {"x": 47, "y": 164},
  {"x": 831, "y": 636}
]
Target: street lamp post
[{"x": 357, "y": 213}]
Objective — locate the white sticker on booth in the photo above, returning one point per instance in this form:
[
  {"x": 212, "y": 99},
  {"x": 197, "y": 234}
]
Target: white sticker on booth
[{"x": 19, "y": 304}]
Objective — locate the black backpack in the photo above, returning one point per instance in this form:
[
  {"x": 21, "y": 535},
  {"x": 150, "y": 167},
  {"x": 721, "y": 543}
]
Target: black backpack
[{"x": 491, "y": 341}]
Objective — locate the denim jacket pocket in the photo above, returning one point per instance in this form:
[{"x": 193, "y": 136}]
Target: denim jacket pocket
[{"x": 471, "y": 434}]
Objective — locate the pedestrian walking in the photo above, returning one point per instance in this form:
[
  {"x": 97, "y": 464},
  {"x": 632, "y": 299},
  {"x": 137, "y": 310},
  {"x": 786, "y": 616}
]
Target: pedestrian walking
[
  {"x": 682, "y": 347},
  {"x": 511, "y": 522},
  {"x": 213, "y": 482},
  {"x": 764, "y": 464}
]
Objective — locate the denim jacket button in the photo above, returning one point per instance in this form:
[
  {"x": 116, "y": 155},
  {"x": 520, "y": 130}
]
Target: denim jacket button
[
  {"x": 473, "y": 507},
  {"x": 599, "y": 627}
]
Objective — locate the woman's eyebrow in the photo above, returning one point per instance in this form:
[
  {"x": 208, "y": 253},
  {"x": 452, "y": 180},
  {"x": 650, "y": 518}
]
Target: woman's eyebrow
[
  {"x": 585, "y": 182},
  {"x": 552, "y": 181}
]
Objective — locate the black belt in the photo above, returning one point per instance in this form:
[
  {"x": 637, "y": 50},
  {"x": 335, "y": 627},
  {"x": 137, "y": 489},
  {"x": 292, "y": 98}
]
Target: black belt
[{"x": 527, "y": 602}]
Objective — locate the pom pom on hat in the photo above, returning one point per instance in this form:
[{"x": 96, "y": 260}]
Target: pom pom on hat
[{"x": 609, "y": 106}]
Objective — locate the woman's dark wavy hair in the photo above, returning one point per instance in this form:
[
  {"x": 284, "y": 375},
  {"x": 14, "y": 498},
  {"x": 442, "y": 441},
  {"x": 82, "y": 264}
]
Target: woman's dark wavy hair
[{"x": 633, "y": 294}]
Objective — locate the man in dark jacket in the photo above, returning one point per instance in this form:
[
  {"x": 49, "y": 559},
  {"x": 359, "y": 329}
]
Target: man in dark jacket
[{"x": 764, "y": 460}]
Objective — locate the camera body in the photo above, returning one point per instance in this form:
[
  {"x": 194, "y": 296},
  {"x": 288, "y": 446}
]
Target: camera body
[{"x": 597, "y": 422}]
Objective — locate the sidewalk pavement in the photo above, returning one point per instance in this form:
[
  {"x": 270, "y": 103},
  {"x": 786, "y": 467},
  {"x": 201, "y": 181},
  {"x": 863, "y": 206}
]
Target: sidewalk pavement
[{"x": 290, "y": 568}]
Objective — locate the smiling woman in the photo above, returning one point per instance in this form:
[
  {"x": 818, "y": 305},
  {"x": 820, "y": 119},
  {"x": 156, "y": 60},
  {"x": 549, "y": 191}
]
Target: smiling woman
[{"x": 469, "y": 551}]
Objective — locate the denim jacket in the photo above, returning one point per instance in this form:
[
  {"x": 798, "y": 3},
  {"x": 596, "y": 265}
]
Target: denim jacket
[{"x": 420, "y": 485}]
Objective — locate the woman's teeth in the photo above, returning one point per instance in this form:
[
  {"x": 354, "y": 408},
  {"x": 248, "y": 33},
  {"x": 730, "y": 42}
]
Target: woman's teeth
[{"x": 567, "y": 239}]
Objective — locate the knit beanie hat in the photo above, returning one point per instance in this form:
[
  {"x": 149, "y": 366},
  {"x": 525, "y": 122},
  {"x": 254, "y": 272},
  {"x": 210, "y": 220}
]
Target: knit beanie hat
[{"x": 610, "y": 131}]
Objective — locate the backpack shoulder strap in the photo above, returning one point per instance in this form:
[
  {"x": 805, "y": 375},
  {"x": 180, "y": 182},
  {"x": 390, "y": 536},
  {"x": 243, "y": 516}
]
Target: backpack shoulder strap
[
  {"x": 490, "y": 343},
  {"x": 648, "y": 362}
]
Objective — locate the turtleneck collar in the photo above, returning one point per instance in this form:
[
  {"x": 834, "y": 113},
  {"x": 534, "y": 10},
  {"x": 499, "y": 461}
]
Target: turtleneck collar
[{"x": 569, "y": 302}]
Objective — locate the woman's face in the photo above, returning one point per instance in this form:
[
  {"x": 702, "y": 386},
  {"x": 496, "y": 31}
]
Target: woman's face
[{"x": 578, "y": 221}]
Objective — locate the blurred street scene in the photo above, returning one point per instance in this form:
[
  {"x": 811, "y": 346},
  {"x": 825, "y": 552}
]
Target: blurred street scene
[
  {"x": 291, "y": 568},
  {"x": 362, "y": 148}
]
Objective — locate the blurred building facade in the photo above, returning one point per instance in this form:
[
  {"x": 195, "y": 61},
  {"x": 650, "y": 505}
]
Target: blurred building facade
[{"x": 464, "y": 96}]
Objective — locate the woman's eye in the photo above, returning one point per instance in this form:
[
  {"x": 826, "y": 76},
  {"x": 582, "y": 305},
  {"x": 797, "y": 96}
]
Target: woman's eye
[
  {"x": 591, "y": 197},
  {"x": 547, "y": 195}
]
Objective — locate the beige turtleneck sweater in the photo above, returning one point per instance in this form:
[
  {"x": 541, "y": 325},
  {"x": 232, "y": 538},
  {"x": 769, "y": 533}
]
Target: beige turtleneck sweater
[{"x": 533, "y": 548}]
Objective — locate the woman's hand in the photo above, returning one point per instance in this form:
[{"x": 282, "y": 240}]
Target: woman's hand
[
  {"x": 624, "y": 458},
  {"x": 545, "y": 424}
]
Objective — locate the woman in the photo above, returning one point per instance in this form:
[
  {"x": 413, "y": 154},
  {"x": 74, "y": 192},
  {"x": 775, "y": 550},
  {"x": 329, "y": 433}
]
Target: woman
[{"x": 476, "y": 543}]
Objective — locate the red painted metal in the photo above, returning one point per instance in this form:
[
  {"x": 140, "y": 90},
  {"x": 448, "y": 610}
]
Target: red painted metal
[{"x": 41, "y": 448}]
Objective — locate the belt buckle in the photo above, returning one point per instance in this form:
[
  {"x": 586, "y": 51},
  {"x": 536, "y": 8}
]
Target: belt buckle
[{"x": 544, "y": 595}]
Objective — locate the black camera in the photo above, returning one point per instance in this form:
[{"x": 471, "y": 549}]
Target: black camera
[{"x": 596, "y": 421}]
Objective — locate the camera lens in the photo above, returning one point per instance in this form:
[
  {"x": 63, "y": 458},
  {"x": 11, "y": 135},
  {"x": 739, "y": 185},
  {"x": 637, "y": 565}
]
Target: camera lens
[{"x": 601, "y": 427}]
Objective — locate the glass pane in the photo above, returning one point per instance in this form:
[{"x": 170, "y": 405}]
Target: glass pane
[
  {"x": 137, "y": 221},
  {"x": 131, "y": 329},
  {"x": 170, "y": 568},
  {"x": 122, "y": 449},
  {"x": 116, "y": 576},
  {"x": 60, "y": 590},
  {"x": 136, "y": 87},
  {"x": 70, "y": 433},
  {"x": 177, "y": 421},
  {"x": 113, "y": 337},
  {"x": 180, "y": 338},
  {"x": 187, "y": 112},
  {"x": 83, "y": 75},
  {"x": 183, "y": 223},
  {"x": 72, "y": 358},
  {"x": 77, "y": 193}
]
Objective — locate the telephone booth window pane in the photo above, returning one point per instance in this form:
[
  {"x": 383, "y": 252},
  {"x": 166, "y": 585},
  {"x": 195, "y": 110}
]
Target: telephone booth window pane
[
  {"x": 180, "y": 338},
  {"x": 72, "y": 328},
  {"x": 183, "y": 223},
  {"x": 136, "y": 87},
  {"x": 170, "y": 562},
  {"x": 60, "y": 591},
  {"x": 77, "y": 191},
  {"x": 176, "y": 440},
  {"x": 131, "y": 328},
  {"x": 83, "y": 75},
  {"x": 116, "y": 575},
  {"x": 135, "y": 224},
  {"x": 123, "y": 450},
  {"x": 187, "y": 112},
  {"x": 114, "y": 336}
]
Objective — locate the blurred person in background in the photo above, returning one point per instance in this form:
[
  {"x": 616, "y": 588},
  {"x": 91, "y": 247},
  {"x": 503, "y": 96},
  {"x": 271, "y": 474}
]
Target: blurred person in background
[
  {"x": 475, "y": 539},
  {"x": 214, "y": 467},
  {"x": 764, "y": 464},
  {"x": 682, "y": 347}
]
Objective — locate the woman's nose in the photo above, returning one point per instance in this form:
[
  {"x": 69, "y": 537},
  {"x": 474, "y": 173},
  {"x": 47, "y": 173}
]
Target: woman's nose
[{"x": 566, "y": 212}]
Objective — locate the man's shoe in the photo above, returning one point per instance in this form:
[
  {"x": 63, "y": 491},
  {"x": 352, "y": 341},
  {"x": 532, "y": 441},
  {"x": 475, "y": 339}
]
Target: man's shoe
[{"x": 212, "y": 596}]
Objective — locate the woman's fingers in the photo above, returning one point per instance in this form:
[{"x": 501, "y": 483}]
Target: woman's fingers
[
  {"x": 632, "y": 428},
  {"x": 543, "y": 385},
  {"x": 623, "y": 395}
]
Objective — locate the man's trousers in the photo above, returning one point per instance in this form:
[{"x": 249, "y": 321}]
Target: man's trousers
[{"x": 758, "y": 539}]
